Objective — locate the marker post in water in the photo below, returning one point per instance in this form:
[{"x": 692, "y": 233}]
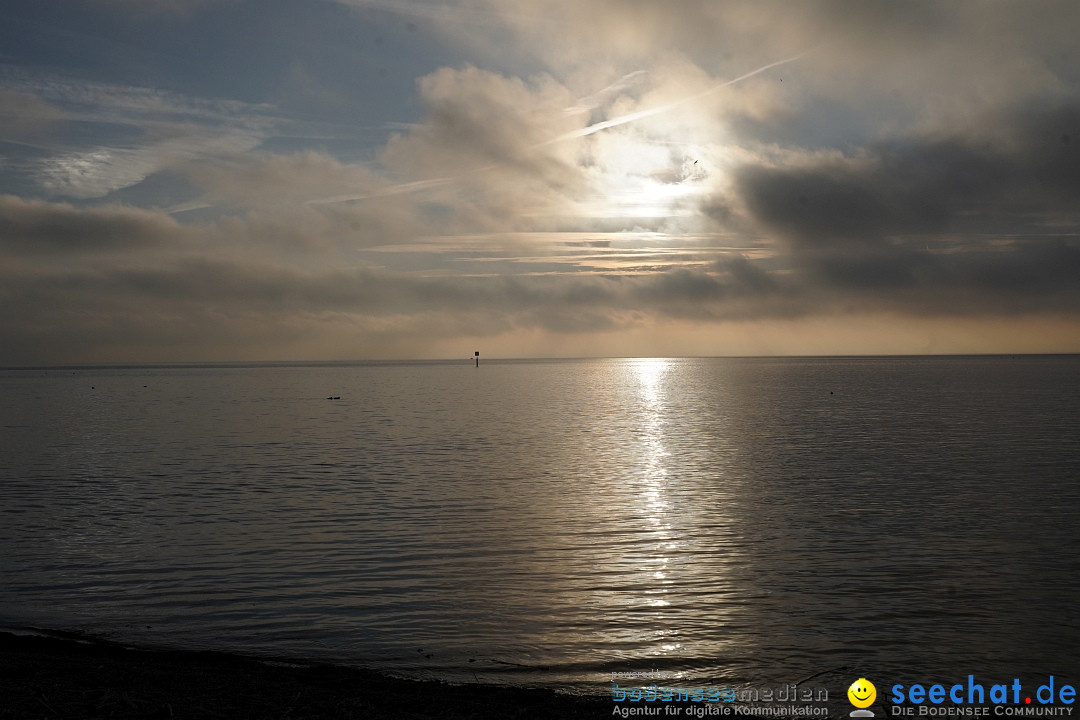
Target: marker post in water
[{"x": 477, "y": 356}]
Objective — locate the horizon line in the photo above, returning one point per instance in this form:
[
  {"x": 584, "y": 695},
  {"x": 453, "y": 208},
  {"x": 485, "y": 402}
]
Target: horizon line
[{"x": 510, "y": 358}]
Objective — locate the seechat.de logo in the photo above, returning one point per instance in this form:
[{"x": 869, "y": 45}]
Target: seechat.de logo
[{"x": 862, "y": 694}]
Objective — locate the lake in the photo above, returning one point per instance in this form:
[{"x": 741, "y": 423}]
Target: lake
[{"x": 726, "y": 521}]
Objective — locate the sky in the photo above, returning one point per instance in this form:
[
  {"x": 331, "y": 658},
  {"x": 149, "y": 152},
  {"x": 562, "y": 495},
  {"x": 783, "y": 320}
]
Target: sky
[{"x": 231, "y": 180}]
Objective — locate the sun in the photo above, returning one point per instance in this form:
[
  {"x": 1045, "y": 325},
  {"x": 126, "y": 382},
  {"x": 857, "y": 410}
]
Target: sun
[
  {"x": 640, "y": 176},
  {"x": 647, "y": 197}
]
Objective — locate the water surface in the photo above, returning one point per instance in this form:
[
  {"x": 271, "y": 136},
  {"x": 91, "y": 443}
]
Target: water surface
[{"x": 724, "y": 520}]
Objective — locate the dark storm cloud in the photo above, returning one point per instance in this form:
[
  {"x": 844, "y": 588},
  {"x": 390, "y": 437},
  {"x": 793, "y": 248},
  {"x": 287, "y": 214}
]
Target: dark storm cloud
[
  {"x": 747, "y": 276},
  {"x": 197, "y": 299},
  {"x": 33, "y": 227},
  {"x": 936, "y": 224}
]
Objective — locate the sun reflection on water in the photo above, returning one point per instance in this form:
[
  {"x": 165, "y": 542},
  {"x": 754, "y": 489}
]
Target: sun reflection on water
[{"x": 654, "y": 504}]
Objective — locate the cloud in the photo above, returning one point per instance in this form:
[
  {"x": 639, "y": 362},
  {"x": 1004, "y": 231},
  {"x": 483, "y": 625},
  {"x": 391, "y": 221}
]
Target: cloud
[
  {"x": 934, "y": 223},
  {"x": 111, "y": 279},
  {"x": 31, "y": 228},
  {"x": 602, "y": 171},
  {"x": 247, "y": 180},
  {"x": 143, "y": 130},
  {"x": 476, "y": 119},
  {"x": 25, "y": 116}
]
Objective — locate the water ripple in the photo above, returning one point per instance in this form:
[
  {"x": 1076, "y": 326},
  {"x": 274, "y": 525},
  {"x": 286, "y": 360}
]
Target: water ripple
[{"x": 725, "y": 520}]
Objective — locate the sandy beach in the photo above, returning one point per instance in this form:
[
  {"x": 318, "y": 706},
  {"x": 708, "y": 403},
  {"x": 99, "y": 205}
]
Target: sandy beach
[{"x": 58, "y": 677}]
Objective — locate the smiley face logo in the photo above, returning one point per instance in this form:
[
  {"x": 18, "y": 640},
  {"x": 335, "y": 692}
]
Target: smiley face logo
[{"x": 862, "y": 693}]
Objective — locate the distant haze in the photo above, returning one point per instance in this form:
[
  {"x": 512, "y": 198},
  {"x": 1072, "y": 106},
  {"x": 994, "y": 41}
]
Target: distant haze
[{"x": 185, "y": 180}]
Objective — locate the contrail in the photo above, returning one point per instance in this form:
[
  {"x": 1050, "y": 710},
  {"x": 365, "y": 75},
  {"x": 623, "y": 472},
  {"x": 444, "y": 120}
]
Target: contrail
[
  {"x": 649, "y": 112},
  {"x": 392, "y": 190},
  {"x": 593, "y": 101},
  {"x": 583, "y": 132}
]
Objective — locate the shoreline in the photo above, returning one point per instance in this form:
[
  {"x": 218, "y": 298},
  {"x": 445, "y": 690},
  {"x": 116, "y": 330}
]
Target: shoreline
[{"x": 63, "y": 675}]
